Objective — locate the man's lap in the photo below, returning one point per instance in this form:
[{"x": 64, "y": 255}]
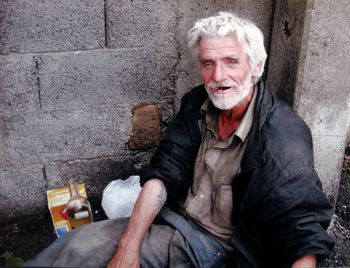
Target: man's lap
[
  {"x": 90, "y": 245},
  {"x": 93, "y": 245}
]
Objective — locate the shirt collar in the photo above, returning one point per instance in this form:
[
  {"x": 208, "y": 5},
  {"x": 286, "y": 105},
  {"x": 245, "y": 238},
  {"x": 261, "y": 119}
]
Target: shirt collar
[{"x": 247, "y": 121}]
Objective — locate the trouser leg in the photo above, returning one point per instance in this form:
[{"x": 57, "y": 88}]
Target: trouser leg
[{"x": 91, "y": 245}]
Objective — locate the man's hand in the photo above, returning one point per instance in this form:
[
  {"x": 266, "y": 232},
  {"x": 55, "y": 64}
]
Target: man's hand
[
  {"x": 151, "y": 199},
  {"x": 124, "y": 257},
  {"x": 305, "y": 262}
]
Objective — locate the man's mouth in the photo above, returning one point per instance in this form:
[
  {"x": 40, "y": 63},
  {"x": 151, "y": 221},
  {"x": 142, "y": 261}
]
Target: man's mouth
[{"x": 221, "y": 89}]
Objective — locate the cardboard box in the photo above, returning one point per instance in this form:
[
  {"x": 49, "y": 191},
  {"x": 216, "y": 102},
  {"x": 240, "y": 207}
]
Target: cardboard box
[{"x": 57, "y": 200}]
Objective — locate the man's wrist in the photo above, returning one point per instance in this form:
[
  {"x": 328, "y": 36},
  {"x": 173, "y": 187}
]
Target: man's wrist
[{"x": 130, "y": 244}]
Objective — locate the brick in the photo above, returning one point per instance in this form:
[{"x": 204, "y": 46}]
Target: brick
[
  {"x": 45, "y": 25},
  {"x": 23, "y": 191},
  {"x": 140, "y": 23},
  {"x": 18, "y": 84},
  {"x": 63, "y": 135},
  {"x": 94, "y": 78},
  {"x": 146, "y": 127}
]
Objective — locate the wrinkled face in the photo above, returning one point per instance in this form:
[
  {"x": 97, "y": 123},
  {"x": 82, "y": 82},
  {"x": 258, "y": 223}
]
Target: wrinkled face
[{"x": 224, "y": 70}]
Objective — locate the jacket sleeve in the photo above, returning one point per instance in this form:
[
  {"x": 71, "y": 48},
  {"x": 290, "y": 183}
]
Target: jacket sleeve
[
  {"x": 173, "y": 162},
  {"x": 295, "y": 216}
]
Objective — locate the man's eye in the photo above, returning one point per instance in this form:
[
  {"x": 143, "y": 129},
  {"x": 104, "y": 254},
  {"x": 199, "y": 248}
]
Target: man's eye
[
  {"x": 208, "y": 65},
  {"x": 232, "y": 62}
]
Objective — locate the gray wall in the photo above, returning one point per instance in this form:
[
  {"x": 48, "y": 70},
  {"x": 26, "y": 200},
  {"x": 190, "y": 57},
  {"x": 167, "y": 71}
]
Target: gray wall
[{"x": 72, "y": 74}]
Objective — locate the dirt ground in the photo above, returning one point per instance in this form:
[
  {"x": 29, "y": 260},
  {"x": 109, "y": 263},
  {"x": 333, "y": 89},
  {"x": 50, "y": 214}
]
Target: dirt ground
[{"x": 23, "y": 238}]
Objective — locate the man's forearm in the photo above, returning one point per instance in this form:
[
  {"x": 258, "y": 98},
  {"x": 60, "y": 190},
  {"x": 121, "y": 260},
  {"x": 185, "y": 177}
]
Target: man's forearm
[{"x": 151, "y": 199}]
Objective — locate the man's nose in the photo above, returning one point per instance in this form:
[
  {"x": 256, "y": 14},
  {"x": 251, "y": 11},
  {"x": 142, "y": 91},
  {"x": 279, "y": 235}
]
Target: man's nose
[{"x": 219, "y": 74}]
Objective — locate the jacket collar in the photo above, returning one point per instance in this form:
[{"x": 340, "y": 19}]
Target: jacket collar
[{"x": 253, "y": 156}]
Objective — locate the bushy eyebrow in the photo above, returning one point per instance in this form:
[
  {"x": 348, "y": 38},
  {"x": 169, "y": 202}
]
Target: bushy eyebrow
[{"x": 228, "y": 56}]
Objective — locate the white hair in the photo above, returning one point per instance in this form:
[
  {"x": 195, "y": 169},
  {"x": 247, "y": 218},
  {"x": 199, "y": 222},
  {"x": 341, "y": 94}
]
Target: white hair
[{"x": 226, "y": 24}]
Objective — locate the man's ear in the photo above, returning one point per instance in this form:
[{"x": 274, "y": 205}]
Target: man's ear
[{"x": 256, "y": 70}]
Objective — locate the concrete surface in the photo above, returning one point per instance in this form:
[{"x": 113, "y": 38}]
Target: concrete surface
[{"x": 44, "y": 25}]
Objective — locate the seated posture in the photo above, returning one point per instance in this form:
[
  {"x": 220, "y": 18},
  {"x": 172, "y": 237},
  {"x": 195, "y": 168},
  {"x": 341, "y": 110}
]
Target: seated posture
[{"x": 232, "y": 183}]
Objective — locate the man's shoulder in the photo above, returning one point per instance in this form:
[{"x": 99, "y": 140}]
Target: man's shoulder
[{"x": 287, "y": 137}]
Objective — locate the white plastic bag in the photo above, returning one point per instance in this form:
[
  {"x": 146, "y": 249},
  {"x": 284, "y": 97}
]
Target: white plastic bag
[{"x": 119, "y": 197}]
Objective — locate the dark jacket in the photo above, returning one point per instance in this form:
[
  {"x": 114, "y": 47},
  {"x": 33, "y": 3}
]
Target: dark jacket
[{"x": 280, "y": 212}]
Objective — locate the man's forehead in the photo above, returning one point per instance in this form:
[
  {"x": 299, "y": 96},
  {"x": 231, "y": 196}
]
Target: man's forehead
[
  {"x": 221, "y": 42},
  {"x": 221, "y": 47}
]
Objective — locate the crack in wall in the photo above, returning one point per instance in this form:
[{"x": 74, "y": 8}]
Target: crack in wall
[
  {"x": 43, "y": 169},
  {"x": 38, "y": 80},
  {"x": 105, "y": 22}
]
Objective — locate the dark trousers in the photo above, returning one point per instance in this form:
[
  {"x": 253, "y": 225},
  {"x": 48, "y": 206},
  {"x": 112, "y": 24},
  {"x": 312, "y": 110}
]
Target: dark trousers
[{"x": 172, "y": 241}]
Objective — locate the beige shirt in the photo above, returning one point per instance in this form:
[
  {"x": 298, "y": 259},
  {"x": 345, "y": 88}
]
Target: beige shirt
[{"x": 209, "y": 200}]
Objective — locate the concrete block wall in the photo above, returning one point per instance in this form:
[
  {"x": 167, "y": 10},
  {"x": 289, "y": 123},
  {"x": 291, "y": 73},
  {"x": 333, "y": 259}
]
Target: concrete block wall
[
  {"x": 70, "y": 74},
  {"x": 72, "y": 77}
]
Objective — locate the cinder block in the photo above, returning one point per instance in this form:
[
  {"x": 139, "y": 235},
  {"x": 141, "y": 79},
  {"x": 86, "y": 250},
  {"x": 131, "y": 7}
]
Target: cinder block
[
  {"x": 45, "y": 25},
  {"x": 22, "y": 191},
  {"x": 140, "y": 23},
  {"x": 146, "y": 127},
  {"x": 63, "y": 135},
  {"x": 18, "y": 84},
  {"x": 69, "y": 80}
]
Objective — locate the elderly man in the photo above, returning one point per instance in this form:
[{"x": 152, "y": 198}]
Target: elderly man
[{"x": 235, "y": 171}]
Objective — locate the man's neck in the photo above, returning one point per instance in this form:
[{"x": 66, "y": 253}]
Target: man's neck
[{"x": 229, "y": 120}]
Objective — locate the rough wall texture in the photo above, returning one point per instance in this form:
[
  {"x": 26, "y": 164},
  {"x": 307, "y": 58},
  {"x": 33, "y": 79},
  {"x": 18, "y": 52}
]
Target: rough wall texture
[{"x": 70, "y": 74}]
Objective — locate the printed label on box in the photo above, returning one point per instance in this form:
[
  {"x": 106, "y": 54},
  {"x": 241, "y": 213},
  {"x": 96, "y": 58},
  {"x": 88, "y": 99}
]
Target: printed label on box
[{"x": 57, "y": 201}]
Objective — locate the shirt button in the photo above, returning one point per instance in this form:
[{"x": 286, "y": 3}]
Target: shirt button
[{"x": 201, "y": 196}]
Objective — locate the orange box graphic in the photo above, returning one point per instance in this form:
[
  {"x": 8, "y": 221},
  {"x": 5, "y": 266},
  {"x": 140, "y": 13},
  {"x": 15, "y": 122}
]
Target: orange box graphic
[{"x": 57, "y": 200}]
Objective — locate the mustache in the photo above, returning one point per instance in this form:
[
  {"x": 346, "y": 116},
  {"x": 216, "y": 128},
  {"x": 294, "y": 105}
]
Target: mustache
[{"x": 225, "y": 83}]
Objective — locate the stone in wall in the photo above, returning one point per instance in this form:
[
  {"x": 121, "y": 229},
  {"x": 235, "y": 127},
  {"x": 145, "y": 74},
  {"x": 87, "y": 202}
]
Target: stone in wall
[
  {"x": 47, "y": 136},
  {"x": 146, "y": 127},
  {"x": 45, "y": 25},
  {"x": 140, "y": 23},
  {"x": 94, "y": 78},
  {"x": 18, "y": 84}
]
